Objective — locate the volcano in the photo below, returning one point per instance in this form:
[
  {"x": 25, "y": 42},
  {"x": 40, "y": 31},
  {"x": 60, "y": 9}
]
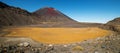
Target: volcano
[
  {"x": 44, "y": 17},
  {"x": 49, "y": 14},
  {"x": 15, "y": 16}
]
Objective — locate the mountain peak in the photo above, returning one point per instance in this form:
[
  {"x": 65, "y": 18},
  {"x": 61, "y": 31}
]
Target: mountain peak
[
  {"x": 48, "y": 11},
  {"x": 50, "y": 14},
  {"x": 47, "y": 8}
]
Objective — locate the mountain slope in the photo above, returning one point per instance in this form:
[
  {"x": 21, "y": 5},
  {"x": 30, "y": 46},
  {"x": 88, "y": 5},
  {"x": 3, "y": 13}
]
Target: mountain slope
[
  {"x": 49, "y": 14},
  {"x": 12, "y": 16},
  {"x": 116, "y": 21},
  {"x": 44, "y": 17},
  {"x": 115, "y": 24}
]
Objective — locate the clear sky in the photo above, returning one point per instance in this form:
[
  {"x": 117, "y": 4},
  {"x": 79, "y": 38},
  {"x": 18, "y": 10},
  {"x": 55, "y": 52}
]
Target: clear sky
[{"x": 99, "y": 11}]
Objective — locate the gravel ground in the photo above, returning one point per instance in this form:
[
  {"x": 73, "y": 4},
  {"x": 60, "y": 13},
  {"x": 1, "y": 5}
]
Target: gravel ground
[{"x": 107, "y": 44}]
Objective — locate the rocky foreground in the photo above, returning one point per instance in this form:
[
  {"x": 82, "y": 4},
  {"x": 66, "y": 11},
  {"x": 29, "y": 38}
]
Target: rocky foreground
[{"x": 108, "y": 44}]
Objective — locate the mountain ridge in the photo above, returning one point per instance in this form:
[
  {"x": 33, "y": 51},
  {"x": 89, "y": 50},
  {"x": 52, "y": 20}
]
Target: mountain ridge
[{"x": 43, "y": 17}]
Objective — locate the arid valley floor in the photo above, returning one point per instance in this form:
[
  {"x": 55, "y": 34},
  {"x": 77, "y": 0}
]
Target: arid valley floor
[{"x": 49, "y": 31}]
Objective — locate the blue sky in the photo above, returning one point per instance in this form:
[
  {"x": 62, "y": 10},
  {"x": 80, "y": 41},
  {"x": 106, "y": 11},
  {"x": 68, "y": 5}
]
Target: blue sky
[{"x": 99, "y": 11}]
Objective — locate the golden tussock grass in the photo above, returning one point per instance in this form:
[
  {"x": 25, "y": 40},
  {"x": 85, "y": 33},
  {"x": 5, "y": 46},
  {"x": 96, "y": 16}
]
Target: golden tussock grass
[{"x": 57, "y": 35}]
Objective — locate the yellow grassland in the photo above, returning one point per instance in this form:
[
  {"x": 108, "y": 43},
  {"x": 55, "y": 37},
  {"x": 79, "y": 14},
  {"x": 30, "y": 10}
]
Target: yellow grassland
[{"x": 57, "y": 35}]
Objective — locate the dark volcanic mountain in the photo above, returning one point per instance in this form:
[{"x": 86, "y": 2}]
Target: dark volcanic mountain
[
  {"x": 50, "y": 14},
  {"x": 12, "y": 16},
  {"x": 44, "y": 17}
]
